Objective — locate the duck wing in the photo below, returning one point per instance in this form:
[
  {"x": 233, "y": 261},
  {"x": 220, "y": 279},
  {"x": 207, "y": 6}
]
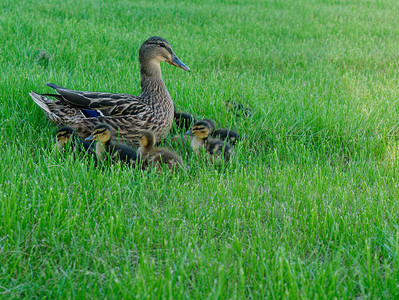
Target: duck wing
[
  {"x": 109, "y": 104},
  {"x": 128, "y": 127}
]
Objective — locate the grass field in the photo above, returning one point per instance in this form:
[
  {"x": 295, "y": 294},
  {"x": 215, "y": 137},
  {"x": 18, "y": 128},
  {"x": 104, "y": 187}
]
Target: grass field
[{"x": 307, "y": 208}]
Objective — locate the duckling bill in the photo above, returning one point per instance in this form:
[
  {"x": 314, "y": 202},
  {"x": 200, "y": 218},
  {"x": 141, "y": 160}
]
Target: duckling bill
[{"x": 107, "y": 147}]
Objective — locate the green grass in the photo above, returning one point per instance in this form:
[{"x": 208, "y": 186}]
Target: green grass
[{"x": 307, "y": 208}]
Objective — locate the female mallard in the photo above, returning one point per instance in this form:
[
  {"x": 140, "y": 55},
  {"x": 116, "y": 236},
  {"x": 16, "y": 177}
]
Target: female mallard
[{"x": 126, "y": 114}]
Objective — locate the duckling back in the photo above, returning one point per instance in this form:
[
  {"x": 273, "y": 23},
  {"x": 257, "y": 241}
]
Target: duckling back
[
  {"x": 215, "y": 147},
  {"x": 123, "y": 153},
  {"x": 226, "y": 134},
  {"x": 184, "y": 120},
  {"x": 156, "y": 157},
  {"x": 166, "y": 157}
]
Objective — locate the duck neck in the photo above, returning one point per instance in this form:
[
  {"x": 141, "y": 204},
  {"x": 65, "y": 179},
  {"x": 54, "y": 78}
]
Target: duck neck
[
  {"x": 143, "y": 151},
  {"x": 102, "y": 149},
  {"x": 153, "y": 89},
  {"x": 197, "y": 143}
]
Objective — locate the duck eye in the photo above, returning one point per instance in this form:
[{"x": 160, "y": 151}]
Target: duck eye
[{"x": 162, "y": 45}]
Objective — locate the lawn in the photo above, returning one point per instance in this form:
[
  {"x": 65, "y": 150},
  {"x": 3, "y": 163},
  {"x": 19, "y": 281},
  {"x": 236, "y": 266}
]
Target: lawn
[{"x": 307, "y": 207}]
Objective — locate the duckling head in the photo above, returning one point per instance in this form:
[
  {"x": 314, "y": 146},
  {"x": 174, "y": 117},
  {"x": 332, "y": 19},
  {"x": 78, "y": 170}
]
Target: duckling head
[
  {"x": 101, "y": 133},
  {"x": 147, "y": 139},
  {"x": 211, "y": 124},
  {"x": 155, "y": 50},
  {"x": 201, "y": 130},
  {"x": 63, "y": 136}
]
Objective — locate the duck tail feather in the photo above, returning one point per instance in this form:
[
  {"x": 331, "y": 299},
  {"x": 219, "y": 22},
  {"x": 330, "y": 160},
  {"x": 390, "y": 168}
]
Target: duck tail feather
[
  {"x": 42, "y": 102},
  {"x": 55, "y": 86}
]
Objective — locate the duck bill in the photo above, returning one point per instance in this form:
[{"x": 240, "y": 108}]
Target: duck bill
[
  {"x": 89, "y": 138},
  {"x": 189, "y": 132},
  {"x": 178, "y": 63}
]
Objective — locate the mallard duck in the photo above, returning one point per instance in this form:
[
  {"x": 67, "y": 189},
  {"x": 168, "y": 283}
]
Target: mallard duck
[
  {"x": 156, "y": 157},
  {"x": 67, "y": 135},
  {"x": 213, "y": 147},
  {"x": 107, "y": 147},
  {"x": 126, "y": 114}
]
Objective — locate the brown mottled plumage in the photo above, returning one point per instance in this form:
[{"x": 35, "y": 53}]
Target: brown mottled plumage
[
  {"x": 152, "y": 110},
  {"x": 156, "y": 157}
]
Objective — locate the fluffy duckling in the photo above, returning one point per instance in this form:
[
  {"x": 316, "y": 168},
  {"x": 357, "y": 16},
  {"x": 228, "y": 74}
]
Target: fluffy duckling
[
  {"x": 222, "y": 134},
  {"x": 106, "y": 146},
  {"x": 238, "y": 109},
  {"x": 156, "y": 156},
  {"x": 67, "y": 135},
  {"x": 213, "y": 147}
]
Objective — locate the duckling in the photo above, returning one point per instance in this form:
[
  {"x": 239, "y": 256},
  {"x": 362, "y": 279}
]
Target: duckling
[
  {"x": 156, "y": 156},
  {"x": 223, "y": 134},
  {"x": 106, "y": 146},
  {"x": 201, "y": 140},
  {"x": 67, "y": 134},
  {"x": 238, "y": 109},
  {"x": 184, "y": 120},
  {"x": 227, "y": 134}
]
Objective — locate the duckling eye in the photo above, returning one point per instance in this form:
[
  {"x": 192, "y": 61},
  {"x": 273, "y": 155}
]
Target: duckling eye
[{"x": 162, "y": 44}]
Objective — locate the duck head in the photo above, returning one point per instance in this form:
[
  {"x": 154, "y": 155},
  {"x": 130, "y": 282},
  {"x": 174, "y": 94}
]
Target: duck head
[
  {"x": 101, "y": 133},
  {"x": 63, "y": 136},
  {"x": 147, "y": 139},
  {"x": 201, "y": 130},
  {"x": 154, "y": 51}
]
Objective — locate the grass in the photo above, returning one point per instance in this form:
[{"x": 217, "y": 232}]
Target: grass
[{"x": 306, "y": 209}]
